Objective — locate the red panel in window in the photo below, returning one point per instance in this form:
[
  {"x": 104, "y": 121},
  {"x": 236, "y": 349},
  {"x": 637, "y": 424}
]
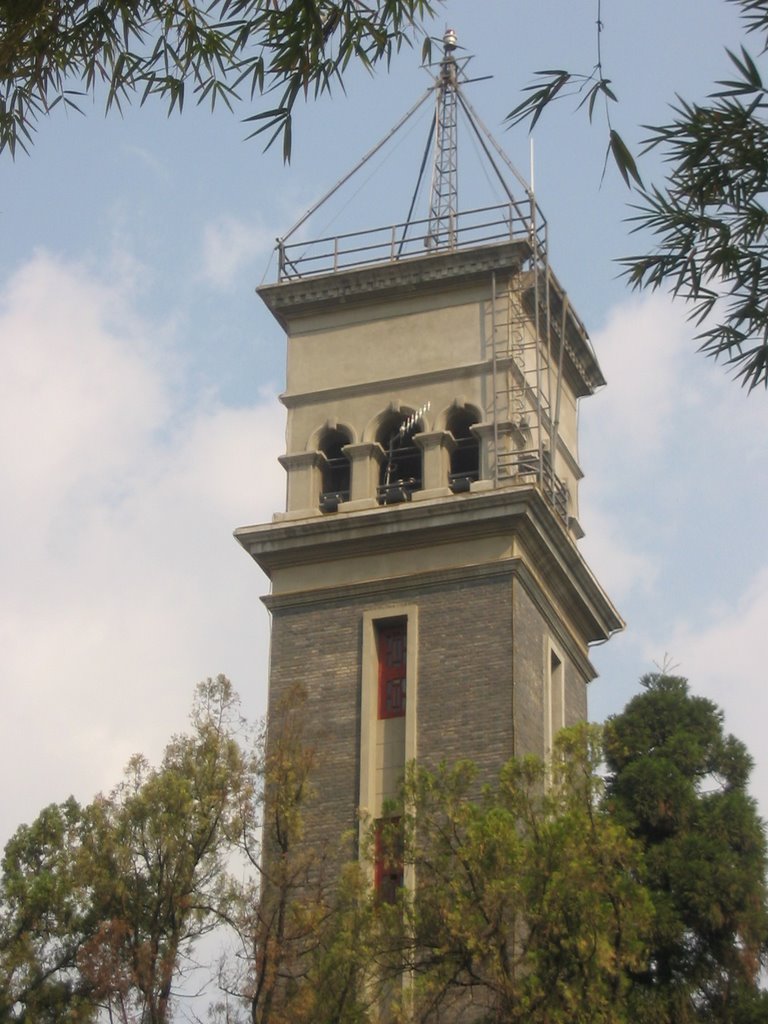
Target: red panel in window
[
  {"x": 391, "y": 647},
  {"x": 388, "y": 863}
]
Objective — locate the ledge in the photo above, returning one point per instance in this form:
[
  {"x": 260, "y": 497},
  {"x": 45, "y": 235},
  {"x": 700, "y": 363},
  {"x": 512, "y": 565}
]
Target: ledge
[
  {"x": 430, "y": 272},
  {"x": 518, "y": 514}
]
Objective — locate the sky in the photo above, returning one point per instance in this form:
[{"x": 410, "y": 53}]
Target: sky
[{"x": 139, "y": 424}]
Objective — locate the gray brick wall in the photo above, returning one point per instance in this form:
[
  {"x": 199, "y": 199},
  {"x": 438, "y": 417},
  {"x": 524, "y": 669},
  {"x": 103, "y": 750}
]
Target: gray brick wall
[
  {"x": 575, "y": 694},
  {"x": 529, "y": 666},
  {"x": 481, "y": 660}
]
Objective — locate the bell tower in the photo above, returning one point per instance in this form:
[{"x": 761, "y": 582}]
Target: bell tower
[{"x": 426, "y": 584}]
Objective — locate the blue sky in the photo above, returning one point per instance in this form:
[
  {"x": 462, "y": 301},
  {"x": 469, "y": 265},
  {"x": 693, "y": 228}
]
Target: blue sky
[{"x": 139, "y": 424}]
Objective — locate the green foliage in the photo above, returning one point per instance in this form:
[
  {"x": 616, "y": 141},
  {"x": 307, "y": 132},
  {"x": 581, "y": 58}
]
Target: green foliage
[
  {"x": 100, "y": 904},
  {"x": 708, "y": 220},
  {"x": 547, "y": 897},
  {"x": 678, "y": 783},
  {"x": 302, "y": 923},
  {"x": 527, "y": 894},
  {"x": 54, "y": 51},
  {"x": 46, "y": 918}
]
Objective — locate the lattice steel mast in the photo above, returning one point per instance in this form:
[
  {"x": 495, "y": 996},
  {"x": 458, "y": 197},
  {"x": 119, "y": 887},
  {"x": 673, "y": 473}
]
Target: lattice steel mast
[{"x": 443, "y": 204}]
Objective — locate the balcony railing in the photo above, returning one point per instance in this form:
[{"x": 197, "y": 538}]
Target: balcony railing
[
  {"x": 525, "y": 465},
  {"x": 465, "y": 230}
]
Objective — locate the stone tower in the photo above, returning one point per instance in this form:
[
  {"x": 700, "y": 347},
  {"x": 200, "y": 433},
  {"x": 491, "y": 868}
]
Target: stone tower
[{"x": 426, "y": 585}]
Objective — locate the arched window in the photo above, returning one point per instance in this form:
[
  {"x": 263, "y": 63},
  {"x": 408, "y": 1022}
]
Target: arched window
[
  {"x": 335, "y": 469},
  {"x": 465, "y": 458},
  {"x": 401, "y": 469}
]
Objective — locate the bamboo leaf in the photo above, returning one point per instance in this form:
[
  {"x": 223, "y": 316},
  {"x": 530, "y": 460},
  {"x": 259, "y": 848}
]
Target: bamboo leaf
[
  {"x": 624, "y": 160},
  {"x": 540, "y": 97}
]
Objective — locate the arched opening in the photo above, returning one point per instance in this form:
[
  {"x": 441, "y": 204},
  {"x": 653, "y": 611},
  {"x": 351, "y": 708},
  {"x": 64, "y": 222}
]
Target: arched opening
[
  {"x": 465, "y": 458},
  {"x": 335, "y": 486},
  {"x": 401, "y": 470}
]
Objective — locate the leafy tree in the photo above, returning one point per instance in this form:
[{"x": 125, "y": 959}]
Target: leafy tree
[
  {"x": 100, "y": 905},
  {"x": 45, "y": 918},
  {"x": 709, "y": 218},
  {"x": 527, "y": 904},
  {"x": 545, "y": 897},
  {"x": 679, "y": 784},
  {"x": 52, "y": 51}
]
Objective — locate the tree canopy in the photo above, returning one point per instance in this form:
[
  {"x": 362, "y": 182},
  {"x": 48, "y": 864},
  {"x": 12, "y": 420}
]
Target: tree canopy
[
  {"x": 101, "y": 905},
  {"x": 678, "y": 783},
  {"x": 54, "y": 51},
  {"x": 528, "y": 903},
  {"x": 551, "y": 894}
]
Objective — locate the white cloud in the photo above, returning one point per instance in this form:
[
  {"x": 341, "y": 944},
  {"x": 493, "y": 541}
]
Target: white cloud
[
  {"x": 617, "y": 558},
  {"x": 149, "y": 160},
  {"x": 660, "y": 444},
  {"x": 122, "y": 583},
  {"x": 673, "y": 502},
  {"x": 642, "y": 350},
  {"x": 230, "y": 245},
  {"x": 724, "y": 658},
  {"x": 82, "y": 400},
  {"x": 659, "y": 385}
]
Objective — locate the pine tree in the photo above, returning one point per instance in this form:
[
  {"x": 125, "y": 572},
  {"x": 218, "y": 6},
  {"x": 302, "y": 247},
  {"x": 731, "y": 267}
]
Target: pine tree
[{"x": 678, "y": 782}]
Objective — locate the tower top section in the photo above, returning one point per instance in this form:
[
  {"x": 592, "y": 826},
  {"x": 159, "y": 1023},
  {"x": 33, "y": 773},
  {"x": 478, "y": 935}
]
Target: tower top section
[
  {"x": 512, "y": 213},
  {"x": 432, "y": 359}
]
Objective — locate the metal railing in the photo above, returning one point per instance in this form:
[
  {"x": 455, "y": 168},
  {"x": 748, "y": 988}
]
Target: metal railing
[
  {"x": 483, "y": 226},
  {"x": 526, "y": 464}
]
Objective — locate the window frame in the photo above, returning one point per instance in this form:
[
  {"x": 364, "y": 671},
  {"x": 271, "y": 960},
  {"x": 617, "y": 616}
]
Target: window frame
[
  {"x": 554, "y": 696},
  {"x": 387, "y": 629},
  {"x": 369, "y": 801}
]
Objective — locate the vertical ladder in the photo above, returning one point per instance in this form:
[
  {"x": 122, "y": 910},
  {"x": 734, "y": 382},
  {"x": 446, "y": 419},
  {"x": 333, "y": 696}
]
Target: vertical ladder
[
  {"x": 499, "y": 328},
  {"x": 524, "y": 440}
]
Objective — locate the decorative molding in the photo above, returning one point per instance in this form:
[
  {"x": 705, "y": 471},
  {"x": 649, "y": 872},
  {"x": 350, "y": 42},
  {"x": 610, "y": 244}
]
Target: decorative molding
[
  {"x": 520, "y": 513},
  {"x": 366, "y": 284},
  {"x": 400, "y": 588}
]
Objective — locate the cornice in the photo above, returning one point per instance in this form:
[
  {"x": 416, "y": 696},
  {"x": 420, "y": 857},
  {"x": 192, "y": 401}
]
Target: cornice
[
  {"x": 437, "y": 271},
  {"x": 521, "y": 513},
  {"x": 401, "y": 586}
]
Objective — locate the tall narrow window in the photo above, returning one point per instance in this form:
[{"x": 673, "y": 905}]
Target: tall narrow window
[
  {"x": 558, "y": 694},
  {"x": 389, "y": 683},
  {"x": 388, "y": 859},
  {"x": 336, "y": 470},
  {"x": 465, "y": 458},
  {"x": 554, "y": 705},
  {"x": 391, "y": 642}
]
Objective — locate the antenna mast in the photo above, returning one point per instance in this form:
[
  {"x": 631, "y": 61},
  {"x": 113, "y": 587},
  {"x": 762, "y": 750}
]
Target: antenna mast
[{"x": 444, "y": 195}]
